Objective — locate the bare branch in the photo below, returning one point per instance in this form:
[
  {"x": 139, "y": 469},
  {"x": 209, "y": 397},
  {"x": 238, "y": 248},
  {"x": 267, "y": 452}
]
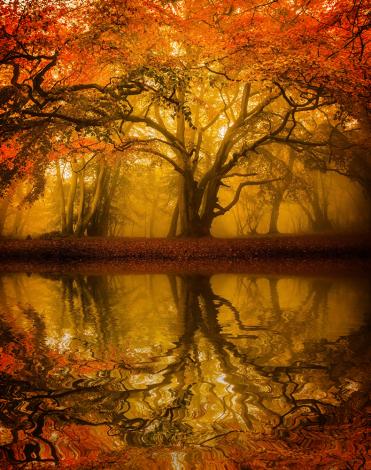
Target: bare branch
[
  {"x": 242, "y": 175},
  {"x": 236, "y": 197}
]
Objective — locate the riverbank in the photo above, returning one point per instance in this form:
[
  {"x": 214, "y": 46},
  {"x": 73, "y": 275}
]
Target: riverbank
[
  {"x": 181, "y": 249},
  {"x": 305, "y": 254}
]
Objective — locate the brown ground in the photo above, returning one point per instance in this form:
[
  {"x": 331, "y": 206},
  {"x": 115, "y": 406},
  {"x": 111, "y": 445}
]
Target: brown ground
[{"x": 305, "y": 254}]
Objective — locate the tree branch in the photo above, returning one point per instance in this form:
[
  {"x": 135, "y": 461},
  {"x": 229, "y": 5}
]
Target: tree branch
[{"x": 236, "y": 197}]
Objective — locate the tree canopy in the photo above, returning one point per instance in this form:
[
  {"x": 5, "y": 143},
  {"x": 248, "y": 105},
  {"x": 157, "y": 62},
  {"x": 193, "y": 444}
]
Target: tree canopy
[{"x": 208, "y": 87}]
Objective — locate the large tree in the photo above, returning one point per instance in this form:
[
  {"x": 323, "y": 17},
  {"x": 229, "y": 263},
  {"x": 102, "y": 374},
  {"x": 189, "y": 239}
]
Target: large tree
[
  {"x": 221, "y": 132},
  {"x": 214, "y": 83}
]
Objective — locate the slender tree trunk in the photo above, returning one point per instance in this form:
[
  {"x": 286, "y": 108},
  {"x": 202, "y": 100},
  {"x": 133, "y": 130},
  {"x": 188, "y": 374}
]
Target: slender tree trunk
[
  {"x": 275, "y": 212},
  {"x": 319, "y": 203},
  {"x": 98, "y": 224},
  {"x": 182, "y": 206},
  {"x": 152, "y": 218},
  {"x": 101, "y": 220},
  {"x": 17, "y": 223},
  {"x": 61, "y": 197},
  {"x": 275, "y": 298},
  {"x": 174, "y": 222},
  {"x": 80, "y": 213},
  {"x": 308, "y": 213},
  {"x": 97, "y": 196},
  {"x": 71, "y": 201},
  {"x": 114, "y": 181},
  {"x": 280, "y": 193},
  {"x": 321, "y": 221},
  {"x": 4, "y": 204}
]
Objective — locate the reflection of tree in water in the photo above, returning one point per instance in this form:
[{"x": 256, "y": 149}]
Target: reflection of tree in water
[
  {"x": 87, "y": 301},
  {"x": 213, "y": 382},
  {"x": 281, "y": 325}
]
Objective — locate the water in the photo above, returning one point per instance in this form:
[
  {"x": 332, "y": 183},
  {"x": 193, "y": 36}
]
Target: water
[{"x": 183, "y": 372}]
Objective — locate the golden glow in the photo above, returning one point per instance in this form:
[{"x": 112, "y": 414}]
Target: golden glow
[{"x": 178, "y": 361}]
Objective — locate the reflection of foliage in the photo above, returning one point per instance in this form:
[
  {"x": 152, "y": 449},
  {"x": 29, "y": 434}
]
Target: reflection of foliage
[{"x": 241, "y": 386}]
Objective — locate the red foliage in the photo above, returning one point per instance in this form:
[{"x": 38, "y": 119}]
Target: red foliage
[
  {"x": 50, "y": 50},
  {"x": 9, "y": 362},
  {"x": 316, "y": 43}
]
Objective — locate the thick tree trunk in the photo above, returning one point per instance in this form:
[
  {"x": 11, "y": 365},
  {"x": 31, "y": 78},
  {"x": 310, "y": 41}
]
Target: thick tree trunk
[
  {"x": 209, "y": 201},
  {"x": 191, "y": 224}
]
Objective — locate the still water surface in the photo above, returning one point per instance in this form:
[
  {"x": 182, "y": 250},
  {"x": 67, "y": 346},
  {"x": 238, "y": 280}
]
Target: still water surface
[{"x": 183, "y": 372}]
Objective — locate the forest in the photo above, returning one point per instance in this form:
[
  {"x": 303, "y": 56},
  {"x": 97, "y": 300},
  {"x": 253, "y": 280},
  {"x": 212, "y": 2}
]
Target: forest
[
  {"x": 185, "y": 219},
  {"x": 183, "y": 118}
]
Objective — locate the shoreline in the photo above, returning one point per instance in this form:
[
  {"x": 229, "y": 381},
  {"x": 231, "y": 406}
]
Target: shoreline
[
  {"x": 301, "y": 246},
  {"x": 345, "y": 268},
  {"x": 308, "y": 255}
]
